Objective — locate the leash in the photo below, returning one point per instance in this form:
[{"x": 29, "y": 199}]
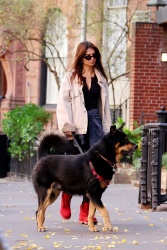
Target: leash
[
  {"x": 76, "y": 144},
  {"x": 113, "y": 165}
]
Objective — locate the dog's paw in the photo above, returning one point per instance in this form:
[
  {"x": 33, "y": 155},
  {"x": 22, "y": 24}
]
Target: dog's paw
[
  {"x": 107, "y": 227},
  {"x": 93, "y": 229},
  {"x": 41, "y": 229}
]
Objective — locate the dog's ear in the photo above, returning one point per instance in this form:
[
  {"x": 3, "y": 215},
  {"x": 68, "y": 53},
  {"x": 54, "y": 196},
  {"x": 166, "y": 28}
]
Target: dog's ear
[
  {"x": 113, "y": 129},
  {"x": 121, "y": 127}
]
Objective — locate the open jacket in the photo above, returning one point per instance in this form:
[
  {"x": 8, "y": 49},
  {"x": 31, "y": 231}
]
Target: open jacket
[{"x": 71, "y": 112}]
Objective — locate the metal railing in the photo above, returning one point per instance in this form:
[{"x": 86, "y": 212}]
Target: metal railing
[
  {"x": 154, "y": 144},
  {"x": 22, "y": 168},
  {"x": 121, "y": 111}
]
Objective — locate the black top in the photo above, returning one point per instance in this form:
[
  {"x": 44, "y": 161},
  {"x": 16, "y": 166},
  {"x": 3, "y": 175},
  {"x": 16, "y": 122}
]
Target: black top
[{"x": 92, "y": 95}]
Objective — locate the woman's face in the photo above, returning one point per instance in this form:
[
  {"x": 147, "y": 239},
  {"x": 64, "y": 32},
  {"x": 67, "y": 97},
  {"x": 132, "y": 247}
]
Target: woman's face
[{"x": 89, "y": 58}]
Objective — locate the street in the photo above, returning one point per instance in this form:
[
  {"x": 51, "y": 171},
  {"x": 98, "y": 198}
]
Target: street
[{"x": 133, "y": 228}]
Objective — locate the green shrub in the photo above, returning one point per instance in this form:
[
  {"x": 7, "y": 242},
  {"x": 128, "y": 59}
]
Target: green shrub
[
  {"x": 164, "y": 160},
  {"x": 135, "y": 137},
  {"x": 22, "y": 125}
]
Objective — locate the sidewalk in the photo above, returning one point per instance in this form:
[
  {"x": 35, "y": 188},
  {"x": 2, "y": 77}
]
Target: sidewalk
[{"x": 134, "y": 228}]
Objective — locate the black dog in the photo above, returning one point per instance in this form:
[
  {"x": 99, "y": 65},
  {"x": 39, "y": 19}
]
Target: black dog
[{"x": 88, "y": 173}]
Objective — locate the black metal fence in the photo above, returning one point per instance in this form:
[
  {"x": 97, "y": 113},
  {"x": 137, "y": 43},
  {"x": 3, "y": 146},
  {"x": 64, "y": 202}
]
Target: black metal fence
[
  {"x": 22, "y": 168},
  {"x": 154, "y": 144},
  {"x": 121, "y": 111}
]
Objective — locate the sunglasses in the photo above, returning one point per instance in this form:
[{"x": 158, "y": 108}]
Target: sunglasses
[{"x": 89, "y": 57}]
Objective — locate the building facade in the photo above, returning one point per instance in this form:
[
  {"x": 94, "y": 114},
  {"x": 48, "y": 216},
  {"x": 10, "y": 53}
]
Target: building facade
[{"x": 129, "y": 39}]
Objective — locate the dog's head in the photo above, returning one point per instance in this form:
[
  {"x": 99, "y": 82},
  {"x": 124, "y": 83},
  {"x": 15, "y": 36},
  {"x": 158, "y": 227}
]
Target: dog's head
[{"x": 122, "y": 145}]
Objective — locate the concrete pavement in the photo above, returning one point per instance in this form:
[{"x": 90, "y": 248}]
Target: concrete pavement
[{"x": 134, "y": 228}]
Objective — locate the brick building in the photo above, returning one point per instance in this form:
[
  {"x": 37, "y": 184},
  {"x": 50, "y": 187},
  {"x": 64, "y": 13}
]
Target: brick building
[
  {"x": 145, "y": 85},
  {"x": 148, "y": 72}
]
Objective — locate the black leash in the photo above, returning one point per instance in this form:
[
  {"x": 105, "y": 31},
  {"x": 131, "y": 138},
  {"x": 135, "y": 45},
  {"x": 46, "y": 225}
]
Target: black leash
[{"x": 76, "y": 144}]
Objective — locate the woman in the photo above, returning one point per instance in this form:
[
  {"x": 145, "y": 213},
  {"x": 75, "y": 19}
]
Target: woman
[{"x": 83, "y": 109}]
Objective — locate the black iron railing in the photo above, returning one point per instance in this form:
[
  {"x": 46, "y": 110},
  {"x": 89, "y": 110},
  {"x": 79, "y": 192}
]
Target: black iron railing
[
  {"x": 22, "y": 168},
  {"x": 154, "y": 144},
  {"x": 121, "y": 111}
]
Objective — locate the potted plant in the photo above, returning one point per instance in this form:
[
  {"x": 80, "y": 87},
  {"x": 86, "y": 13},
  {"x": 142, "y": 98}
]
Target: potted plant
[{"x": 22, "y": 125}]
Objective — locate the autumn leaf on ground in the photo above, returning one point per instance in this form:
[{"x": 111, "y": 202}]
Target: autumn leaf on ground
[
  {"x": 56, "y": 245},
  {"x": 115, "y": 229},
  {"x": 47, "y": 236},
  {"x": 24, "y": 235},
  {"x": 22, "y": 243},
  {"x": 135, "y": 242},
  {"x": 9, "y": 231},
  {"x": 32, "y": 246},
  {"x": 146, "y": 218}
]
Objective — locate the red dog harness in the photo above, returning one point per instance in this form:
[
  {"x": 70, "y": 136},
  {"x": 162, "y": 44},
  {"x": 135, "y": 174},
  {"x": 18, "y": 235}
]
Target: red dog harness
[{"x": 97, "y": 175}]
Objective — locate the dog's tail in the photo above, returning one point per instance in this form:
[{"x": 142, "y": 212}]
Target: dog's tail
[{"x": 50, "y": 142}]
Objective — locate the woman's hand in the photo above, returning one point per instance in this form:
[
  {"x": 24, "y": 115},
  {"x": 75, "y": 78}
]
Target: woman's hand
[{"x": 69, "y": 135}]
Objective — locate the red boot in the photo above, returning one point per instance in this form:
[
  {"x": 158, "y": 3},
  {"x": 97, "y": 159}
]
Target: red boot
[
  {"x": 65, "y": 209},
  {"x": 83, "y": 215}
]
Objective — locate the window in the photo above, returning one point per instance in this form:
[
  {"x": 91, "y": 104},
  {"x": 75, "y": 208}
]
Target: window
[
  {"x": 115, "y": 40},
  {"x": 115, "y": 114},
  {"x": 141, "y": 16},
  {"x": 118, "y": 2},
  {"x": 56, "y": 52}
]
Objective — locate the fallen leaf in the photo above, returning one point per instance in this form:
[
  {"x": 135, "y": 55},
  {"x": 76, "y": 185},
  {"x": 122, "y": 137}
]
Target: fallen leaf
[
  {"x": 47, "y": 236},
  {"x": 32, "y": 246},
  {"x": 9, "y": 231},
  {"x": 115, "y": 229},
  {"x": 24, "y": 235},
  {"x": 146, "y": 218},
  {"x": 111, "y": 246},
  {"x": 135, "y": 242},
  {"x": 22, "y": 243}
]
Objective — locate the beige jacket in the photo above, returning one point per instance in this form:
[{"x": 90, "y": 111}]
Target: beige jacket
[{"x": 71, "y": 112}]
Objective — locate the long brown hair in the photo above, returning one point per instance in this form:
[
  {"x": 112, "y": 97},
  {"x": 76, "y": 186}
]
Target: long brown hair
[{"x": 80, "y": 52}]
